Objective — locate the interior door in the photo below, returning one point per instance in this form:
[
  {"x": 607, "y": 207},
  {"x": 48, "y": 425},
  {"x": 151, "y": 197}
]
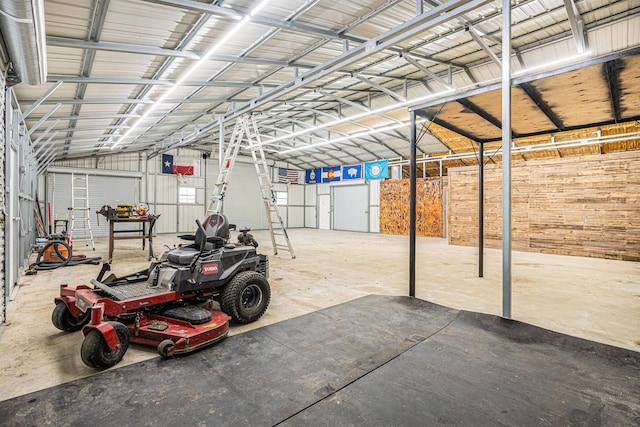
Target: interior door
[{"x": 324, "y": 211}]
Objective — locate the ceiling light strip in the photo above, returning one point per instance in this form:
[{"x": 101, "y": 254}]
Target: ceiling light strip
[{"x": 183, "y": 78}]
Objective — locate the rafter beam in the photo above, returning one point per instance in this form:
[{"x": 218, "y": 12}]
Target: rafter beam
[
  {"x": 119, "y": 47},
  {"x": 480, "y": 112},
  {"x": 381, "y": 88},
  {"x": 536, "y": 97},
  {"x": 476, "y": 37},
  {"x": 612, "y": 73},
  {"x": 425, "y": 70},
  {"x": 577, "y": 26}
]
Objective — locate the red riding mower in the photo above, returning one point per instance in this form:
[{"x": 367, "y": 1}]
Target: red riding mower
[{"x": 170, "y": 305}]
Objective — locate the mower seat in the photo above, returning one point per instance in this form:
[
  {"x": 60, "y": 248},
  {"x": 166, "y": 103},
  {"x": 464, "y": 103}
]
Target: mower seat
[{"x": 216, "y": 227}]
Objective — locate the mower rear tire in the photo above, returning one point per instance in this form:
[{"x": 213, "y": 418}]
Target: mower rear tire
[
  {"x": 96, "y": 353},
  {"x": 64, "y": 320},
  {"x": 246, "y": 297}
]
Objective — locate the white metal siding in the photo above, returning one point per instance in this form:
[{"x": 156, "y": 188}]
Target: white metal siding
[
  {"x": 295, "y": 209},
  {"x": 243, "y": 201},
  {"x": 4, "y": 289},
  {"x": 310, "y": 209},
  {"x": 374, "y": 206},
  {"x": 103, "y": 190}
]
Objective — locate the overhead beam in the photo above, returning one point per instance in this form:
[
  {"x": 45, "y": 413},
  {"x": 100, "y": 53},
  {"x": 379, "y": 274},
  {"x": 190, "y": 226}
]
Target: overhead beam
[
  {"x": 143, "y": 101},
  {"x": 39, "y": 101},
  {"x": 527, "y": 78},
  {"x": 425, "y": 70},
  {"x": 536, "y": 97},
  {"x": 119, "y": 47},
  {"x": 409, "y": 29},
  {"x": 612, "y": 74},
  {"x": 476, "y": 37},
  {"x": 455, "y": 129},
  {"x": 381, "y": 88},
  {"x": 480, "y": 112},
  {"x": 577, "y": 26},
  {"x": 121, "y": 81}
]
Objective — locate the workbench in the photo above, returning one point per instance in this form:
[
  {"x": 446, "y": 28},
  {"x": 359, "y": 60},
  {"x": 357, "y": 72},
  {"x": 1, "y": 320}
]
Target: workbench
[{"x": 143, "y": 232}]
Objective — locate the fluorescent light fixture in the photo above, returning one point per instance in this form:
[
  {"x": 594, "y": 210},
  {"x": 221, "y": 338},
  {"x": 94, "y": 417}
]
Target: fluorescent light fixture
[
  {"x": 221, "y": 42},
  {"x": 551, "y": 63},
  {"x": 355, "y": 135}
]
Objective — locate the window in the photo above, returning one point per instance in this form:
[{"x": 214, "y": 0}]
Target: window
[
  {"x": 281, "y": 198},
  {"x": 187, "y": 195}
]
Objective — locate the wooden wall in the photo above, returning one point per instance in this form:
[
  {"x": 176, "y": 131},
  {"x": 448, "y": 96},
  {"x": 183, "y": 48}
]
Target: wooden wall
[
  {"x": 394, "y": 207},
  {"x": 582, "y": 206}
]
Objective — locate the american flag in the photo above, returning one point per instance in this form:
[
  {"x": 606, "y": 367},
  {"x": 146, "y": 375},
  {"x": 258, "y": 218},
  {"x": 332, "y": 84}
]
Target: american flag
[{"x": 288, "y": 176}]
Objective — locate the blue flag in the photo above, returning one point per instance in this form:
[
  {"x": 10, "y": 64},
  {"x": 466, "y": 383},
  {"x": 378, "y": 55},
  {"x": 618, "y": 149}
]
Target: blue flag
[
  {"x": 313, "y": 176},
  {"x": 331, "y": 174},
  {"x": 167, "y": 163},
  {"x": 352, "y": 172},
  {"x": 376, "y": 170}
]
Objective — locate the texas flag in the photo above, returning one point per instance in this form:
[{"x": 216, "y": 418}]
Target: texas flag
[
  {"x": 182, "y": 165},
  {"x": 331, "y": 174}
]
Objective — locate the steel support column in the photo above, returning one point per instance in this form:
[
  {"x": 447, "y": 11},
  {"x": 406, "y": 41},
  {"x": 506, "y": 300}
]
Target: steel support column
[
  {"x": 480, "y": 210},
  {"x": 412, "y": 208},
  {"x": 506, "y": 160}
]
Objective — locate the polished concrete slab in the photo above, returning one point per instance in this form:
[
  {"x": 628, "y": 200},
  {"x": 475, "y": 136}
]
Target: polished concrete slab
[
  {"x": 595, "y": 299},
  {"x": 376, "y": 360}
]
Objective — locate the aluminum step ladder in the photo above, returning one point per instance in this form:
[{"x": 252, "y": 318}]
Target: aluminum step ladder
[
  {"x": 80, "y": 230},
  {"x": 246, "y": 130}
]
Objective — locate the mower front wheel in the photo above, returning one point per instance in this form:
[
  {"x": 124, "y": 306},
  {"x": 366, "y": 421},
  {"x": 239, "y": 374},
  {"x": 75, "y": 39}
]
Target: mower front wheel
[
  {"x": 96, "y": 353},
  {"x": 64, "y": 320},
  {"x": 246, "y": 297},
  {"x": 165, "y": 348}
]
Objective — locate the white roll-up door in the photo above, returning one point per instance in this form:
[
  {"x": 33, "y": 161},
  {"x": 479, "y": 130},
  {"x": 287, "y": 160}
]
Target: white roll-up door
[
  {"x": 103, "y": 190},
  {"x": 351, "y": 208}
]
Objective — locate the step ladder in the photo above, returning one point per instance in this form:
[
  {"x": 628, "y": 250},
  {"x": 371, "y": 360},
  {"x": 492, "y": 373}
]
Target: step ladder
[
  {"x": 246, "y": 130},
  {"x": 80, "y": 230}
]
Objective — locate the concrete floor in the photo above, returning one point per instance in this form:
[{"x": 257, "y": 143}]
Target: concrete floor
[{"x": 589, "y": 298}]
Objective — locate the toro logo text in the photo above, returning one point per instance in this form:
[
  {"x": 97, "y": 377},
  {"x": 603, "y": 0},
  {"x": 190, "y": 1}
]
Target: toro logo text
[{"x": 210, "y": 268}]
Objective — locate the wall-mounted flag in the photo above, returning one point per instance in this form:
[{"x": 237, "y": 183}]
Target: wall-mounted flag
[
  {"x": 313, "y": 176},
  {"x": 331, "y": 174},
  {"x": 167, "y": 163},
  {"x": 376, "y": 170},
  {"x": 352, "y": 172},
  {"x": 181, "y": 165},
  {"x": 288, "y": 176}
]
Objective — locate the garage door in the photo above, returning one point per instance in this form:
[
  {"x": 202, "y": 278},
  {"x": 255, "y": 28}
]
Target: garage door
[
  {"x": 351, "y": 208},
  {"x": 103, "y": 190}
]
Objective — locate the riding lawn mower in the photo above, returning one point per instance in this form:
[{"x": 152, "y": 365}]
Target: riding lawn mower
[{"x": 171, "y": 304}]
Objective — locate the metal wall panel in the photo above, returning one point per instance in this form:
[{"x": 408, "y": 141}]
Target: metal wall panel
[
  {"x": 103, "y": 190},
  {"x": 243, "y": 201},
  {"x": 4, "y": 290},
  {"x": 374, "y": 206},
  {"x": 310, "y": 210}
]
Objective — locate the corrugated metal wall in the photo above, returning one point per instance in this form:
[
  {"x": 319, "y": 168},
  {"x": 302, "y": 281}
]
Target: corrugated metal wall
[
  {"x": 3, "y": 287},
  {"x": 243, "y": 201},
  {"x": 101, "y": 192}
]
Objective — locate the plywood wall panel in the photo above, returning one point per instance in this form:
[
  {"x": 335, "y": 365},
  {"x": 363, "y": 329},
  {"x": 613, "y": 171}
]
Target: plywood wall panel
[
  {"x": 581, "y": 206},
  {"x": 394, "y": 207}
]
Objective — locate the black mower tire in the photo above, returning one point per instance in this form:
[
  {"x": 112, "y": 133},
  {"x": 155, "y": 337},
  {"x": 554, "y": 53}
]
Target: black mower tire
[
  {"x": 64, "y": 320},
  {"x": 95, "y": 352},
  {"x": 165, "y": 347},
  {"x": 246, "y": 297}
]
